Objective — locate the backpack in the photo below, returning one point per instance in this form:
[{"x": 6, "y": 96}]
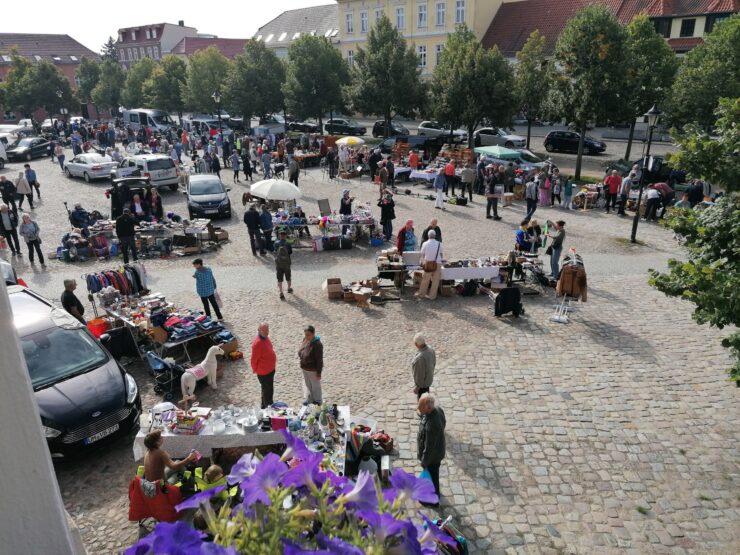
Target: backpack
[
  {"x": 282, "y": 257},
  {"x": 508, "y": 300}
]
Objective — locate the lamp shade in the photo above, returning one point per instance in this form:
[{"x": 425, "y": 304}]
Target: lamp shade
[
  {"x": 653, "y": 115},
  {"x": 216, "y": 96}
]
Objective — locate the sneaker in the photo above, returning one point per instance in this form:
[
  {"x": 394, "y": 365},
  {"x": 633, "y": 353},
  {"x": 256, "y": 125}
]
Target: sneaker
[
  {"x": 489, "y": 217},
  {"x": 282, "y": 297},
  {"x": 290, "y": 289},
  {"x": 497, "y": 218}
]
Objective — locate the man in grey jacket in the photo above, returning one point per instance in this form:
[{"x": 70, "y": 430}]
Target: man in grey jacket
[
  {"x": 423, "y": 366},
  {"x": 430, "y": 441}
]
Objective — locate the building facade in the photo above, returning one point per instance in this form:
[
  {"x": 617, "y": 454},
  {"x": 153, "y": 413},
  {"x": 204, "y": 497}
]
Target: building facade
[
  {"x": 150, "y": 41},
  {"x": 279, "y": 33},
  {"x": 424, "y": 23},
  {"x": 190, "y": 45}
]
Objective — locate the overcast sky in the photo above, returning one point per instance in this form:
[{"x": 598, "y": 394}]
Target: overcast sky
[{"x": 91, "y": 23}]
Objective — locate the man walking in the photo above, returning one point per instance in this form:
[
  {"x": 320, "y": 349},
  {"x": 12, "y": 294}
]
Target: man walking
[
  {"x": 70, "y": 302},
  {"x": 263, "y": 363},
  {"x": 7, "y": 191},
  {"x": 294, "y": 170},
  {"x": 267, "y": 163},
  {"x": 252, "y": 219},
  {"x": 430, "y": 440},
  {"x": 9, "y": 228},
  {"x": 311, "y": 356},
  {"x": 32, "y": 180},
  {"x": 439, "y": 186},
  {"x": 126, "y": 232},
  {"x": 266, "y": 225},
  {"x": 205, "y": 286},
  {"x": 612, "y": 185},
  {"x": 624, "y": 193},
  {"x": 467, "y": 177},
  {"x": 530, "y": 194},
  {"x": 283, "y": 250},
  {"x": 423, "y": 366}
]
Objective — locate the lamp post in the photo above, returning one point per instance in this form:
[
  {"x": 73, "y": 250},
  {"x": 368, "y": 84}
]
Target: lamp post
[
  {"x": 652, "y": 115},
  {"x": 217, "y": 99}
]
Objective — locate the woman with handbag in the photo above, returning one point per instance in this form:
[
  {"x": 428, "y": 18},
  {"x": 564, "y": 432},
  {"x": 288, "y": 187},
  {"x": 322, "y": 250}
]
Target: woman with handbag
[
  {"x": 29, "y": 230},
  {"x": 493, "y": 191},
  {"x": 431, "y": 263}
]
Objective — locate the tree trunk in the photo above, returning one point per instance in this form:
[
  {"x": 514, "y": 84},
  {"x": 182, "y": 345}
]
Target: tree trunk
[
  {"x": 471, "y": 139},
  {"x": 629, "y": 140},
  {"x": 529, "y": 131},
  {"x": 386, "y": 131},
  {"x": 579, "y": 160}
]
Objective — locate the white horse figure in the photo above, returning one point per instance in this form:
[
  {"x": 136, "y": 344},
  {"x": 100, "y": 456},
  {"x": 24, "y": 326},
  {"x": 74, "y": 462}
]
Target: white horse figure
[{"x": 206, "y": 369}]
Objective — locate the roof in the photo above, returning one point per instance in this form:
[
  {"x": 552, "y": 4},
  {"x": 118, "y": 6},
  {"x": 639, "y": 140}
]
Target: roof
[
  {"x": 683, "y": 44},
  {"x": 145, "y": 25},
  {"x": 288, "y": 26},
  {"x": 190, "y": 45},
  {"x": 515, "y": 21},
  {"x": 58, "y": 49}
]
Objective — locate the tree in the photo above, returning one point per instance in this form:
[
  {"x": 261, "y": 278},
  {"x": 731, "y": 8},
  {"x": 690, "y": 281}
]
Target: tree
[
  {"x": 164, "y": 87},
  {"x": 30, "y": 86},
  {"x": 253, "y": 86},
  {"x": 710, "y": 278},
  {"x": 385, "y": 77},
  {"x": 88, "y": 74},
  {"x": 650, "y": 72},
  {"x": 15, "y": 96},
  {"x": 591, "y": 55},
  {"x": 133, "y": 90},
  {"x": 708, "y": 72},
  {"x": 315, "y": 78},
  {"x": 712, "y": 158},
  {"x": 108, "y": 51},
  {"x": 107, "y": 93},
  {"x": 206, "y": 73},
  {"x": 532, "y": 79},
  {"x": 471, "y": 83}
]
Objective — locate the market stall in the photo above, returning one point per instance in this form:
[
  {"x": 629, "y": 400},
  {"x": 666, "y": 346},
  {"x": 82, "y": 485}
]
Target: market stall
[{"x": 330, "y": 232}]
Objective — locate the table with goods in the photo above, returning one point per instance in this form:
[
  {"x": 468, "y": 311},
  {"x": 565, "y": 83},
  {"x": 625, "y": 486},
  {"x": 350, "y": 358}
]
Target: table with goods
[{"x": 330, "y": 232}]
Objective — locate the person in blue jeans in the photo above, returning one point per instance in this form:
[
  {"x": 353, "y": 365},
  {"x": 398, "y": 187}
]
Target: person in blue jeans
[
  {"x": 558, "y": 236},
  {"x": 205, "y": 286},
  {"x": 266, "y": 225}
]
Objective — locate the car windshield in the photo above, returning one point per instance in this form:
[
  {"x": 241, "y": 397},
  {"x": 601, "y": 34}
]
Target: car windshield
[
  {"x": 163, "y": 119},
  {"x": 529, "y": 157},
  {"x": 95, "y": 159},
  {"x": 24, "y": 142},
  {"x": 161, "y": 164},
  {"x": 55, "y": 354},
  {"x": 210, "y": 187}
]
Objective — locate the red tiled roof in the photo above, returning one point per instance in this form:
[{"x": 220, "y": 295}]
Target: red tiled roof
[
  {"x": 684, "y": 43},
  {"x": 49, "y": 47},
  {"x": 190, "y": 45},
  {"x": 515, "y": 21}
]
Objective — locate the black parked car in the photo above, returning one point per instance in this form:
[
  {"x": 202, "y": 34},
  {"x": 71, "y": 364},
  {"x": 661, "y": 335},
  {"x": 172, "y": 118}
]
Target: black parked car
[
  {"x": 83, "y": 395},
  {"x": 28, "y": 148},
  {"x": 341, "y": 126},
  {"x": 395, "y": 129},
  {"x": 207, "y": 197},
  {"x": 304, "y": 127},
  {"x": 567, "y": 141}
]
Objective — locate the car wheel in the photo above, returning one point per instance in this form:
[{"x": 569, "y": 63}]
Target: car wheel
[
  {"x": 29, "y": 157},
  {"x": 590, "y": 152},
  {"x": 68, "y": 173},
  {"x": 2, "y": 163},
  {"x": 87, "y": 177},
  {"x": 549, "y": 147},
  {"x": 174, "y": 187}
]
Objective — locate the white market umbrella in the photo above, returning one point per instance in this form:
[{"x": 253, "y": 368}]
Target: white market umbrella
[
  {"x": 351, "y": 141},
  {"x": 275, "y": 189}
]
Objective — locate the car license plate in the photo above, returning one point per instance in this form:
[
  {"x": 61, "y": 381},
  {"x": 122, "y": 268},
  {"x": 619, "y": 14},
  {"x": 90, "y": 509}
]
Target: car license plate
[
  {"x": 101, "y": 435},
  {"x": 211, "y": 211}
]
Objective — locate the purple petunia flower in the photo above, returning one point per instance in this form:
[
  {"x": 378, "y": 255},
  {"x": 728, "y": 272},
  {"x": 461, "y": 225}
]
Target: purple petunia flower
[
  {"x": 292, "y": 548},
  {"x": 142, "y": 547},
  {"x": 215, "y": 549},
  {"x": 176, "y": 538},
  {"x": 200, "y": 498},
  {"x": 268, "y": 475},
  {"x": 363, "y": 496},
  {"x": 409, "y": 486},
  {"x": 434, "y": 533},
  {"x": 383, "y": 524},
  {"x": 243, "y": 469},
  {"x": 409, "y": 540},
  {"x": 306, "y": 472},
  {"x": 335, "y": 545},
  {"x": 295, "y": 447}
]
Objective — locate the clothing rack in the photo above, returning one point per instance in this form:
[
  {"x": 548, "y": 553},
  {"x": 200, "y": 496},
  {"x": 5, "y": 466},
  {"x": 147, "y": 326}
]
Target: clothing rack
[
  {"x": 130, "y": 280},
  {"x": 566, "y": 304}
]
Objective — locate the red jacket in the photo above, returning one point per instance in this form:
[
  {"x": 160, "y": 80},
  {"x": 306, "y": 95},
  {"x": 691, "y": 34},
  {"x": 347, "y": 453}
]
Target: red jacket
[
  {"x": 450, "y": 169},
  {"x": 263, "y": 356},
  {"x": 613, "y": 182}
]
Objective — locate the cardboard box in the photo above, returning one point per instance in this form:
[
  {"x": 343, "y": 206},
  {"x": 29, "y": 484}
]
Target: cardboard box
[
  {"x": 349, "y": 296},
  {"x": 231, "y": 346},
  {"x": 447, "y": 291},
  {"x": 191, "y": 250},
  {"x": 333, "y": 288}
]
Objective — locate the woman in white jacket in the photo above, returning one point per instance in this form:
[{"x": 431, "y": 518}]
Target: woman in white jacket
[{"x": 23, "y": 189}]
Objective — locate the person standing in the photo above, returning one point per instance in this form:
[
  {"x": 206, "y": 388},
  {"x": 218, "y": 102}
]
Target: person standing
[
  {"x": 264, "y": 362},
  {"x": 331, "y": 162},
  {"x": 387, "y": 214},
  {"x": 32, "y": 180},
  {"x": 439, "y": 186},
  {"x": 449, "y": 178},
  {"x": 406, "y": 238},
  {"x": 267, "y": 163},
  {"x": 252, "y": 219},
  {"x": 126, "y": 232},
  {"x": 430, "y": 440},
  {"x": 311, "y": 356},
  {"x": 234, "y": 159},
  {"x": 653, "y": 200},
  {"x": 216, "y": 165},
  {"x": 266, "y": 225},
  {"x": 530, "y": 194},
  {"x": 205, "y": 286},
  {"x": 556, "y": 248},
  {"x": 294, "y": 171},
  {"x": 7, "y": 191},
  {"x": 8, "y": 225},
  {"x": 433, "y": 226},
  {"x": 431, "y": 263},
  {"x": 422, "y": 366},
  {"x": 71, "y": 303},
  {"x": 624, "y": 193},
  {"x": 491, "y": 181},
  {"x": 612, "y": 185},
  {"x": 568, "y": 193},
  {"x": 283, "y": 252},
  {"x": 467, "y": 177},
  {"x": 23, "y": 190},
  {"x": 383, "y": 176},
  {"x": 345, "y": 208},
  {"x": 30, "y": 230},
  {"x": 391, "y": 168}
]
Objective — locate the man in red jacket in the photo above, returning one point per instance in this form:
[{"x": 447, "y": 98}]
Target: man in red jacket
[
  {"x": 611, "y": 188},
  {"x": 263, "y": 362}
]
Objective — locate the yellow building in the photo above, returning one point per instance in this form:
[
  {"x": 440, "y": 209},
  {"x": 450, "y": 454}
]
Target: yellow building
[{"x": 424, "y": 23}]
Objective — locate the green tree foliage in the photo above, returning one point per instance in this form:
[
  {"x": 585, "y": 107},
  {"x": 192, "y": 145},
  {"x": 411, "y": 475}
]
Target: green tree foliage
[
  {"x": 108, "y": 51},
  {"x": 650, "y": 72},
  {"x": 15, "y": 97},
  {"x": 315, "y": 77},
  {"x": 708, "y": 72},
  {"x": 715, "y": 159},
  {"x": 133, "y": 90},
  {"x": 385, "y": 77},
  {"x": 253, "y": 86},
  {"x": 532, "y": 79},
  {"x": 472, "y": 83},
  {"x": 164, "y": 88},
  {"x": 30, "y": 86},
  {"x": 710, "y": 278},
  {"x": 88, "y": 74},
  {"x": 206, "y": 73},
  {"x": 108, "y": 92},
  {"x": 592, "y": 55}
]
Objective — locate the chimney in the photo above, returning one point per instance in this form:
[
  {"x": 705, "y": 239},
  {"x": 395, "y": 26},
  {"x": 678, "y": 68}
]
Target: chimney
[{"x": 181, "y": 23}]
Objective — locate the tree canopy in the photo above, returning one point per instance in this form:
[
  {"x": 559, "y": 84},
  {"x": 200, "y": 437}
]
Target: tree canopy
[
  {"x": 133, "y": 90},
  {"x": 29, "y": 86},
  {"x": 88, "y": 74},
  {"x": 108, "y": 50},
  {"x": 471, "y": 83},
  {"x": 253, "y": 85},
  {"x": 164, "y": 88},
  {"x": 532, "y": 79},
  {"x": 207, "y": 70},
  {"x": 108, "y": 92}
]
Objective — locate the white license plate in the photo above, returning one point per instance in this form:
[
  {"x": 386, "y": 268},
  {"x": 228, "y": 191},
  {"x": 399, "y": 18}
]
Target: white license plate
[
  {"x": 101, "y": 435},
  {"x": 211, "y": 211}
]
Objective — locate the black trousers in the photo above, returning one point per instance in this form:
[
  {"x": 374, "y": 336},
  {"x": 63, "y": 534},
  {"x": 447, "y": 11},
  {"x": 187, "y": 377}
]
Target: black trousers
[
  {"x": 34, "y": 245},
  {"x": 531, "y": 207},
  {"x": 611, "y": 199},
  {"x": 12, "y": 238},
  {"x": 651, "y": 209},
  {"x": 10, "y": 201},
  {"x": 267, "y": 387},
  {"x": 449, "y": 187},
  {"x": 207, "y": 309},
  {"x": 622, "y": 205},
  {"x": 421, "y": 391},
  {"x": 35, "y": 185},
  {"x": 434, "y": 473},
  {"x": 255, "y": 240},
  {"x": 29, "y": 196},
  {"x": 267, "y": 234},
  {"x": 492, "y": 203},
  {"x": 126, "y": 244},
  {"x": 469, "y": 187}
]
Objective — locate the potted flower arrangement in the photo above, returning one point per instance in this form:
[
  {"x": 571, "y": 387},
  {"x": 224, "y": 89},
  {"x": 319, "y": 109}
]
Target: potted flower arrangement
[{"x": 291, "y": 505}]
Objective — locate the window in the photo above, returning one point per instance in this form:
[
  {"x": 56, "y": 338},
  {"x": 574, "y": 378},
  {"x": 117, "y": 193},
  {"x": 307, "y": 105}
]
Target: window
[
  {"x": 440, "y": 49},
  {"x": 422, "y": 52},
  {"x": 269, "y": 37},
  {"x": 77, "y": 81},
  {"x": 350, "y": 23},
  {"x": 7, "y": 58},
  {"x": 712, "y": 20},
  {"x": 130, "y": 55},
  {"x": 122, "y": 55},
  {"x": 136, "y": 53},
  {"x": 281, "y": 38},
  {"x": 9, "y": 116},
  {"x": 687, "y": 27},
  {"x": 133, "y": 35},
  {"x": 441, "y": 7},
  {"x": 37, "y": 57},
  {"x": 378, "y": 13},
  {"x": 298, "y": 34},
  {"x": 143, "y": 52},
  {"x": 363, "y": 22},
  {"x": 351, "y": 57},
  {"x": 400, "y": 18},
  {"x": 156, "y": 53},
  {"x": 56, "y": 58},
  {"x": 460, "y": 11},
  {"x": 148, "y": 34},
  {"x": 421, "y": 21},
  {"x": 154, "y": 33},
  {"x": 73, "y": 58},
  {"x": 663, "y": 27},
  {"x": 149, "y": 52},
  {"x": 120, "y": 37}
]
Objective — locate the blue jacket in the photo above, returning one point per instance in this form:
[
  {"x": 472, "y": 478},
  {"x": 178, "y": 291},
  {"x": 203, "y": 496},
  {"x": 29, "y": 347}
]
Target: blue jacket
[
  {"x": 439, "y": 181},
  {"x": 265, "y": 221}
]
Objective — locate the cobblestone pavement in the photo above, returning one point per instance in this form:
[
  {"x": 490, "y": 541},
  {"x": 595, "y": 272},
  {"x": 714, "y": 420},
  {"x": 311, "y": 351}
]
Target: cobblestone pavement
[{"x": 614, "y": 433}]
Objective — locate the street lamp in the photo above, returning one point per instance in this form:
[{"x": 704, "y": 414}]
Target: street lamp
[
  {"x": 62, "y": 111},
  {"x": 652, "y": 115},
  {"x": 217, "y": 99}
]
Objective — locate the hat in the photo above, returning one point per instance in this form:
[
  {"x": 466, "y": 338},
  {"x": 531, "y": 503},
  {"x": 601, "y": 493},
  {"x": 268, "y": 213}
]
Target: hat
[
  {"x": 309, "y": 328},
  {"x": 282, "y": 232},
  {"x": 126, "y": 211}
]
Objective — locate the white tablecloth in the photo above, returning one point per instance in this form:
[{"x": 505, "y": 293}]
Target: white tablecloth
[
  {"x": 401, "y": 169},
  {"x": 415, "y": 174}
]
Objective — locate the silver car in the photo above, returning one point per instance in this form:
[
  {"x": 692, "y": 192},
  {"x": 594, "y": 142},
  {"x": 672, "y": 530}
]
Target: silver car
[
  {"x": 492, "y": 136},
  {"x": 431, "y": 128},
  {"x": 89, "y": 166}
]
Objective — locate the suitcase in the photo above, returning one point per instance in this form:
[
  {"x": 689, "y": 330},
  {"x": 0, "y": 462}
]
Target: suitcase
[
  {"x": 462, "y": 201},
  {"x": 346, "y": 243},
  {"x": 509, "y": 300}
]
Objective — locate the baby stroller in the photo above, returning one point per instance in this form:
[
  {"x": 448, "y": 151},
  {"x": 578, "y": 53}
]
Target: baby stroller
[{"x": 166, "y": 375}]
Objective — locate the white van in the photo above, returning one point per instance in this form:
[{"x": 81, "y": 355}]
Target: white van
[
  {"x": 206, "y": 125},
  {"x": 160, "y": 169},
  {"x": 157, "y": 120}
]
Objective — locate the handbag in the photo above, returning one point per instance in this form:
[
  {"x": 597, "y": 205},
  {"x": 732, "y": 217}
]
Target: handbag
[
  {"x": 548, "y": 250},
  {"x": 219, "y": 303},
  {"x": 431, "y": 265}
]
